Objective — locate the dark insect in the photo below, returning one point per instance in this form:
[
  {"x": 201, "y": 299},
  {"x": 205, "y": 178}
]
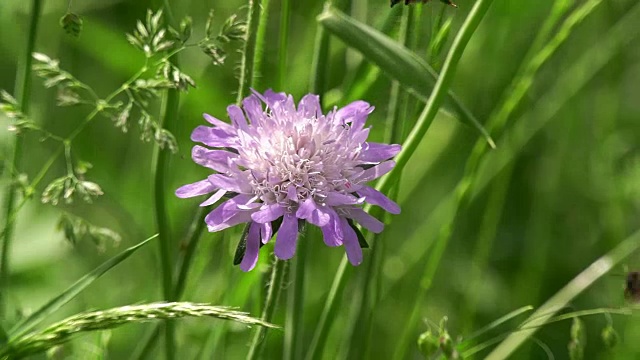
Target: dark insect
[
  {"x": 632, "y": 290},
  {"x": 407, "y": 2}
]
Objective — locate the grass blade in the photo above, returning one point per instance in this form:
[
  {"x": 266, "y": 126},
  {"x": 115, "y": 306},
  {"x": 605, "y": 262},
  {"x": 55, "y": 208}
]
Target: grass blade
[
  {"x": 557, "y": 302},
  {"x": 395, "y": 60},
  {"x": 71, "y": 292},
  {"x": 499, "y": 322}
]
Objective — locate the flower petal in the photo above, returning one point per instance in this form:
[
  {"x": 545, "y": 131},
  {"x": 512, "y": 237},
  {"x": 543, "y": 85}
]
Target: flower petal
[
  {"x": 214, "y": 137},
  {"x": 268, "y": 213},
  {"x": 351, "y": 244},
  {"x": 227, "y": 210},
  {"x": 237, "y": 117},
  {"x": 375, "y": 152},
  {"x": 287, "y": 237},
  {"x": 214, "y": 198},
  {"x": 363, "y": 218},
  {"x": 309, "y": 211},
  {"x": 253, "y": 248},
  {"x": 253, "y": 108},
  {"x": 197, "y": 188},
  {"x": 375, "y": 172},
  {"x": 238, "y": 218},
  {"x": 375, "y": 197},
  {"x": 332, "y": 233},
  {"x": 217, "y": 160},
  {"x": 337, "y": 199},
  {"x": 266, "y": 232},
  {"x": 309, "y": 106},
  {"x": 219, "y": 124},
  {"x": 224, "y": 182}
]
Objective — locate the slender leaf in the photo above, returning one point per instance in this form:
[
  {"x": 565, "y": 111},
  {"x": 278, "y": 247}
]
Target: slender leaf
[
  {"x": 71, "y": 292},
  {"x": 499, "y": 321},
  {"x": 558, "y": 301},
  {"x": 396, "y": 61}
]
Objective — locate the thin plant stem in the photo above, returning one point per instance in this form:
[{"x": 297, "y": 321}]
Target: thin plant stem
[
  {"x": 261, "y": 38},
  {"x": 462, "y": 189},
  {"x": 168, "y": 116},
  {"x": 285, "y": 10},
  {"x": 449, "y": 67},
  {"x": 329, "y": 310},
  {"x": 498, "y": 194},
  {"x": 275, "y": 288},
  {"x": 318, "y": 80},
  {"x": 439, "y": 93},
  {"x": 159, "y": 169},
  {"x": 295, "y": 300},
  {"x": 413, "y": 140},
  {"x": 393, "y": 134},
  {"x": 249, "y": 50},
  {"x": 22, "y": 92},
  {"x": 559, "y": 301}
]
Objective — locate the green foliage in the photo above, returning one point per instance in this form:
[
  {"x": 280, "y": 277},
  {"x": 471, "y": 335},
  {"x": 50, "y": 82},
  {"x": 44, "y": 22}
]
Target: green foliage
[
  {"x": 394, "y": 60},
  {"x": 552, "y": 82},
  {"x": 31, "y": 321}
]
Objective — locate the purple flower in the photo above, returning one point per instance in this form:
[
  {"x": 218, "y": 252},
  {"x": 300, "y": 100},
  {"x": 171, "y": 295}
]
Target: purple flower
[{"x": 289, "y": 164}]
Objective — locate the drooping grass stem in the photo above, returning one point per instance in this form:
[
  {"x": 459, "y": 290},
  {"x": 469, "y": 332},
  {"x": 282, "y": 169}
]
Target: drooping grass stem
[{"x": 22, "y": 93}]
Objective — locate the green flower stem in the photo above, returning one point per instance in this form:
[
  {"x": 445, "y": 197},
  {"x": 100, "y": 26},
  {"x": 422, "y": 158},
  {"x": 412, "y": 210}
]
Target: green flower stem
[
  {"x": 435, "y": 100},
  {"x": 438, "y": 95},
  {"x": 159, "y": 168},
  {"x": 398, "y": 108},
  {"x": 275, "y": 288},
  {"x": 295, "y": 301},
  {"x": 329, "y": 310},
  {"x": 22, "y": 92},
  {"x": 258, "y": 54},
  {"x": 168, "y": 116},
  {"x": 249, "y": 51},
  {"x": 285, "y": 10}
]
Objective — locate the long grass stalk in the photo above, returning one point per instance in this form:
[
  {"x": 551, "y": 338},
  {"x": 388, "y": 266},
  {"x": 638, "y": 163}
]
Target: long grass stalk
[
  {"x": 449, "y": 67},
  {"x": 409, "y": 147},
  {"x": 275, "y": 288},
  {"x": 295, "y": 301},
  {"x": 169, "y": 114},
  {"x": 22, "y": 93},
  {"x": 496, "y": 122},
  {"x": 560, "y": 300},
  {"x": 168, "y": 117},
  {"x": 489, "y": 225},
  {"x": 359, "y": 345}
]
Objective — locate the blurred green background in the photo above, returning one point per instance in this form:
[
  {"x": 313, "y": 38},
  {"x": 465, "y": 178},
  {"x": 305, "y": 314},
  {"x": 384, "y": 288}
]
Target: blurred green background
[{"x": 571, "y": 194}]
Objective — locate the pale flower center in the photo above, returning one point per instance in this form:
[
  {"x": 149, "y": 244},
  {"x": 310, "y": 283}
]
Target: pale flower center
[{"x": 290, "y": 160}]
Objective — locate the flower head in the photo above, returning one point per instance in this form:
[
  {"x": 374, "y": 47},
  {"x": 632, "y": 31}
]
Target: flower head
[{"x": 289, "y": 164}]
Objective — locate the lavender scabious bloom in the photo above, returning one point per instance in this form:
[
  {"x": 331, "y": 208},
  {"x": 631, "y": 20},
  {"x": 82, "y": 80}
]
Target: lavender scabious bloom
[{"x": 287, "y": 165}]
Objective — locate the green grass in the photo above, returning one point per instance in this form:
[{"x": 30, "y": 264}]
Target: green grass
[{"x": 487, "y": 232}]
